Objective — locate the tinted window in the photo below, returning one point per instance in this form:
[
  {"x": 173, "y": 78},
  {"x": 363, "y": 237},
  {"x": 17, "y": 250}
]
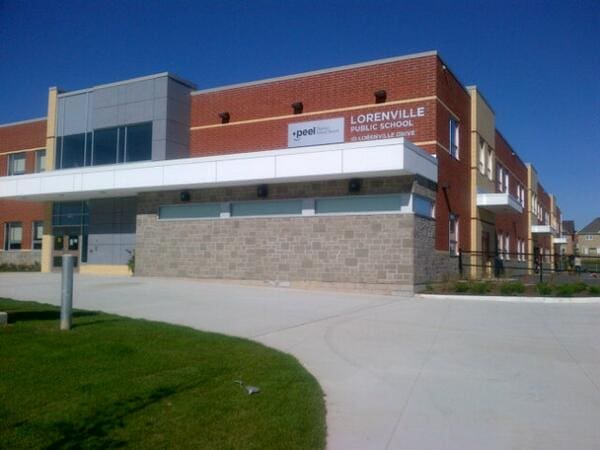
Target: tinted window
[
  {"x": 72, "y": 151},
  {"x": 267, "y": 208},
  {"x": 190, "y": 211},
  {"x": 105, "y": 146},
  {"x": 139, "y": 142},
  {"x": 361, "y": 204}
]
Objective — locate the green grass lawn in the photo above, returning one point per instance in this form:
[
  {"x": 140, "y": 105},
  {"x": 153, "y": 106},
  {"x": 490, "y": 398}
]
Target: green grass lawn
[{"x": 117, "y": 382}]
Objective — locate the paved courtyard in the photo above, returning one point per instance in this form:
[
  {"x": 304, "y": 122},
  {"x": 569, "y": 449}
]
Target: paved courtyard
[{"x": 398, "y": 372}]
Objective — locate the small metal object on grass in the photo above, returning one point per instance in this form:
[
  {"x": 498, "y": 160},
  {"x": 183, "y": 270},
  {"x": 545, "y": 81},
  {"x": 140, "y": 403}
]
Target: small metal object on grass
[{"x": 249, "y": 389}]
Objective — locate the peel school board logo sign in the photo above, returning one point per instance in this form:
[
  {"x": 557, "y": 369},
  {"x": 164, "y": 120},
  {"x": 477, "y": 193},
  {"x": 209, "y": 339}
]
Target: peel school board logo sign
[{"x": 316, "y": 132}]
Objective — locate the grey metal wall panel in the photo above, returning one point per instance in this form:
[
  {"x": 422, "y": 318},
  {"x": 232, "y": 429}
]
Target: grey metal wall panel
[
  {"x": 161, "y": 100},
  {"x": 161, "y": 87},
  {"x": 175, "y": 151},
  {"x": 159, "y": 149},
  {"x": 72, "y": 114},
  {"x": 137, "y": 112},
  {"x": 177, "y": 132},
  {"x": 106, "y": 97},
  {"x": 111, "y": 230},
  {"x": 178, "y": 111},
  {"x": 159, "y": 109},
  {"x": 178, "y": 91},
  {"x": 105, "y": 117},
  {"x": 138, "y": 91}
]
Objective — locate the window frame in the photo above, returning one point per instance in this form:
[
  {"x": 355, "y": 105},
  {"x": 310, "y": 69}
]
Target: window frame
[
  {"x": 35, "y": 240},
  {"x": 454, "y": 138},
  {"x": 453, "y": 229},
  {"x": 490, "y": 169},
  {"x": 482, "y": 156},
  {"x": 38, "y": 166},
  {"x": 11, "y": 159},
  {"x": 8, "y": 226}
]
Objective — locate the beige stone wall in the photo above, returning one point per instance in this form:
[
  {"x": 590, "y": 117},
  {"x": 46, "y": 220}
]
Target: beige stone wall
[
  {"x": 430, "y": 265},
  {"x": 27, "y": 257},
  {"x": 368, "y": 250}
]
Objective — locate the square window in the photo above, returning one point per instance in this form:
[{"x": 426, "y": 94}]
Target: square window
[
  {"x": 16, "y": 164},
  {"x": 13, "y": 236}
]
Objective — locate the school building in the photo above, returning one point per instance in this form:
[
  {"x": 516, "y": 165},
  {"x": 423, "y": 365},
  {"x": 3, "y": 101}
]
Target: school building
[{"x": 370, "y": 175}]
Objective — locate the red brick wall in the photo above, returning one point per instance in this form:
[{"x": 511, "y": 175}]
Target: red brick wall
[
  {"x": 402, "y": 80},
  {"x": 453, "y": 173},
  {"x": 405, "y": 79},
  {"x": 14, "y": 138},
  {"x": 543, "y": 241},
  {"x": 513, "y": 224}
]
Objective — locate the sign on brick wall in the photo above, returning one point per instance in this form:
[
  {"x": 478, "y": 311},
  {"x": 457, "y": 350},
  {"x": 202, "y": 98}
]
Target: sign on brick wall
[
  {"x": 316, "y": 132},
  {"x": 394, "y": 123}
]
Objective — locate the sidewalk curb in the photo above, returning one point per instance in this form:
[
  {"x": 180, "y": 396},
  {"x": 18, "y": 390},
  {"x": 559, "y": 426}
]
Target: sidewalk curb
[{"x": 513, "y": 299}]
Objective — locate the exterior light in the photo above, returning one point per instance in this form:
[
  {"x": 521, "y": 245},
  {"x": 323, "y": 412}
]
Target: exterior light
[
  {"x": 380, "y": 96},
  {"x": 262, "y": 191},
  {"x": 298, "y": 107},
  {"x": 184, "y": 196},
  {"x": 224, "y": 117},
  {"x": 354, "y": 185}
]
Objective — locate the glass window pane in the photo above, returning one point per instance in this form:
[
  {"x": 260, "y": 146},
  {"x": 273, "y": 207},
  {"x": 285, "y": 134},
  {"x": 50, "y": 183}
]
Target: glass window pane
[
  {"x": 69, "y": 213},
  {"x": 88, "y": 148},
  {"x": 40, "y": 161},
  {"x": 105, "y": 146},
  {"x": 121, "y": 149},
  {"x": 59, "y": 243},
  {"x": 16, "y": 164},
  {"x": 266, "y": 208},
  {"x": 139, "y": 142},
  {"x": 38, "y": 231},
  {"x": 72, "y": 151},
  {"x": 190, "y": 211},
  {"x": 422, "y": 206},
  {"x": 361, "y": 204},
  {"x": 14, "y": 236}
]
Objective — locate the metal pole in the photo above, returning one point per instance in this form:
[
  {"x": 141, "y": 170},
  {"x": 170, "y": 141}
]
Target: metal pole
[
  {"x": 541, "y": 269},
  {"x": 66, "y": 305}
]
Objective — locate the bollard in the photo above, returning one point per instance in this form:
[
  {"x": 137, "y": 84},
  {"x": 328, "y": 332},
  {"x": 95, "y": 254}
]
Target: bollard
[{"x": 66, "y": 304}]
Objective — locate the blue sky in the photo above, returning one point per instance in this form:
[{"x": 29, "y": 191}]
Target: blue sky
[{"x": 538, "y": 63}]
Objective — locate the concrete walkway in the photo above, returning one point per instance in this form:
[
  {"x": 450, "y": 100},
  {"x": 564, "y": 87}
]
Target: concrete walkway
[{"x": 398, "y": 372}]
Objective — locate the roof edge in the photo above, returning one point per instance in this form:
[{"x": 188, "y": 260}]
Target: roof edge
[
  {"x": 317, "y": 72},
  {"x": 130, "y": 80},
  {"x": 22, "y": 122}
]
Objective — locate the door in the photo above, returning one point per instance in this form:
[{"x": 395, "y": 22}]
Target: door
[
  {"x": 486, "y": 257},
  {"x": 65, "y": 243}
]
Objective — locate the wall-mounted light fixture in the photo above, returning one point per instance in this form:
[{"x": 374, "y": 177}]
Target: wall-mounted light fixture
[
  {"x": 262, "y": 190},
  {"x": 224, "y": 117},
  {"x": 298, "y": 107},
  {"x": 380, "y": 96},
  {"x": 185, "y": 196},
  {"x": 354, "y": 185}
]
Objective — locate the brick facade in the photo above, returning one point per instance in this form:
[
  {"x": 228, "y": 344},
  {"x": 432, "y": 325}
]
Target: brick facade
[
  {"x": 260, "y": 114},
  {"x": 515, "y": 225},
  {"x": 13, "y": 138}
]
